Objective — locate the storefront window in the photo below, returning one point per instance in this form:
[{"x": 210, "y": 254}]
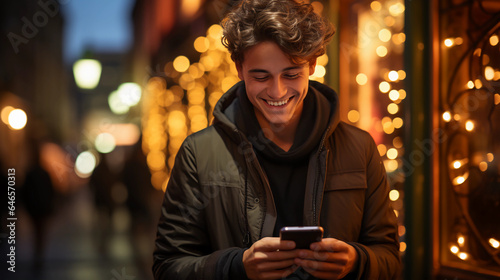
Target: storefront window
[{"x": 469, "y": 160}]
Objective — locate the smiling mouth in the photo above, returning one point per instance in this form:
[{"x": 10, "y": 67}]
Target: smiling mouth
[{"x": 278, "y": 103}]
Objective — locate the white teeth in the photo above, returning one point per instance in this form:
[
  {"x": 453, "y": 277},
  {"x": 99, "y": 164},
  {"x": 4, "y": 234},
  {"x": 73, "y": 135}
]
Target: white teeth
[{"x": 279, "y": 103}]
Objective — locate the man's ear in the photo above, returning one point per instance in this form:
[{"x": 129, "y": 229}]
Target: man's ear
[
  {"x": 239, "y": 69},
  {"x": 312, "y": 66}
]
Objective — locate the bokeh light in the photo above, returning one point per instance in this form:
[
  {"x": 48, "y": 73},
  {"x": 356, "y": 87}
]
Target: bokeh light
[
  {"x": 17, "y": 119},
  {"x": 105, "y": 143},
  {"x": 85, "y": 164}
]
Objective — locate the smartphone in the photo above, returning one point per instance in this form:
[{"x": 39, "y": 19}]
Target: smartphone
[{"x": 302, "y": 236}]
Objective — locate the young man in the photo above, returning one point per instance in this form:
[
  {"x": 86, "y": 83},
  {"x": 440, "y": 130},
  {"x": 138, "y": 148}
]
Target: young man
[{"x": 276, "y": 155}]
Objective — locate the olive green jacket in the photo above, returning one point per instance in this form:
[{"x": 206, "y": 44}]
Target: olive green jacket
[{"x": 216, "y": 170}]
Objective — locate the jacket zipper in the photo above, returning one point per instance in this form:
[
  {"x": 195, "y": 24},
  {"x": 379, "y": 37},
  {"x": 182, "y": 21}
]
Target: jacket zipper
[
  {"x": 318, "y": 173},
  {"x": 266, "y": 186}
]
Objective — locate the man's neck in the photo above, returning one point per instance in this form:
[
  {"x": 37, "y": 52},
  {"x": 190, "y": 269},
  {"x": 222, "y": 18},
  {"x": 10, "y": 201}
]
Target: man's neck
[{"x": 282, "y": 135}]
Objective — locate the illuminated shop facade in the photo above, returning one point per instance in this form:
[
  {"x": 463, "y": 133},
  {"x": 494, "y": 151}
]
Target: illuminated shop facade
[{"x": 422, "y": 77}]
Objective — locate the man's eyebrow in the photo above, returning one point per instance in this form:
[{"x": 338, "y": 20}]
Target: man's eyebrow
[{"x": 284, "y": 70}]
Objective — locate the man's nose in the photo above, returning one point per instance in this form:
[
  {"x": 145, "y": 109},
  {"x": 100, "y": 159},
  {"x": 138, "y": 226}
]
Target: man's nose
[{"x": 278, "y": 89}]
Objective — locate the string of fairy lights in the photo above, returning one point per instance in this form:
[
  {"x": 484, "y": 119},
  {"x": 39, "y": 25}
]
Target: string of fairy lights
[{"x": 469, "y": 109}]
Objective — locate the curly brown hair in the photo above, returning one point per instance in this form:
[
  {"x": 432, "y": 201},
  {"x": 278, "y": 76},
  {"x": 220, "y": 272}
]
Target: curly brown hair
[{"x": 293, "y": 26}]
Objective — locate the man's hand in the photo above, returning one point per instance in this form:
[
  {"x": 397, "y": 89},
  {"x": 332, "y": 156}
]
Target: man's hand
[
  {"x": 270, "y": 258},
  {"x": 328, "y": 259}
]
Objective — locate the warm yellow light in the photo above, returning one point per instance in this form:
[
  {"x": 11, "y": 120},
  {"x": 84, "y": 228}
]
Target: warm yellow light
[
  {"x": 397, "y": 122},
  {"x": 399, "y": 38},
  {"x": 181, "y": 63},
  {"x": 454, "y": 249},
  {"x": 402, "y": 94},
  {"x": 394, "y": 95},
  {"x": 353, "y": 116},
  {"x": 397, "y": 142},
  {"x": 384, "y": 35},
  {"x": 494, "y": 243},
  {"x": 317, "y": 7},
  {"x": 5, "y": 114},
  {"x": 388, "y": 127},
  {"x": 459, "y": 41},
  {"x": 124, "y": 134},
  {"x": 470, "y": 84},
  {"x": 447, "y": 116},
  {"x": 189, "y": 8},
  {"x": 478, "y": 84},
  {"x": 215, "y": 31},
  {"x": 457, "y": 164},
  {"x": 483, "y": 166},
  {"x": 463, "y": 256},
  {"x": 461, "y": 240},
  {"x": 87, "y": 73},
  {"x": 322, "y": 60},
  {"x": 156, "y": 160},
  {"x": 391, "y": 165},
  {"x": 401, "y": 74},
  {"x": 497, "y": 98},
  {"x": 448, "y": 42},
  {"x": 384, "y": 87},
  {"x": 490, "y": 157},
  {"x": 201, "y": 44},
  {"x": 401, "y": 230},
  {"x": 396, "y": 9},
  {"x": 229, "y": 81},
  {"x": 319, "y": 71},
  {"x": 494, "y": 40},
  {"x": 469, "y": 125},
  {"x": 392, "y": 108},
  {"x": 176, "y": 119},
  {"x": 361, "y": 79},
  {"x": 394, "y": 195},
  {"x": 389, "y": 21},
  {"x": 392, "y": 153},
  {"x": 381, "y": 51},
  {"x": 17, "y": 119},
  {"x": 376, "y": 6},
  {"x": 393, "y": 75},
  {"x": 382, "y": 149},
  {"x": 402, "y": 246},
  {"x": 457, "y": 117},
  {"x": 489, "y": 73},
  {"x": 460, "y": 179},
  {"x": 196, "y": 96}
]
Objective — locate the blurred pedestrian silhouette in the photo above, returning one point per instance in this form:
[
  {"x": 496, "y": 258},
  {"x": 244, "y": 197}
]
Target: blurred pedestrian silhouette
[
  {"x": 101, "y": 183},
  {"x": 38, "y": 195}
]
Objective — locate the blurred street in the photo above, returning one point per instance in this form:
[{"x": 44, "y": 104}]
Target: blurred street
[{"x": 73, "y": 250}]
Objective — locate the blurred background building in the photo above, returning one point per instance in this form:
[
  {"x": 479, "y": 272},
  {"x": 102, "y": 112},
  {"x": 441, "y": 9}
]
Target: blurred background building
[{"x": 92, "y": 153}]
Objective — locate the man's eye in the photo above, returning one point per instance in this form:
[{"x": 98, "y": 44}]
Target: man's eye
[
  {"x": 291, "y": 76},
  {"x": 261, "y": 78}
]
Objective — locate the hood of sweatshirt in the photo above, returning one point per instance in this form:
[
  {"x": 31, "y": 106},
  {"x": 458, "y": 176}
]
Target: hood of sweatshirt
[{"x": 228, "y": 113}]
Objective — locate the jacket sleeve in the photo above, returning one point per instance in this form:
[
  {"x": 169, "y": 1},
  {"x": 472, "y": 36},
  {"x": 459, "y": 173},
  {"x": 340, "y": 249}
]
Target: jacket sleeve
[
  {"x": 378, "y": 245},
  {"x": 182, "y": 247}
]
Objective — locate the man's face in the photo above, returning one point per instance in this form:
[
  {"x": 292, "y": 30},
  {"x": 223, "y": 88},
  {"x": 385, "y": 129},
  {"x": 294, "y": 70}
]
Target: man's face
[{"x": 274, "y": 84}]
